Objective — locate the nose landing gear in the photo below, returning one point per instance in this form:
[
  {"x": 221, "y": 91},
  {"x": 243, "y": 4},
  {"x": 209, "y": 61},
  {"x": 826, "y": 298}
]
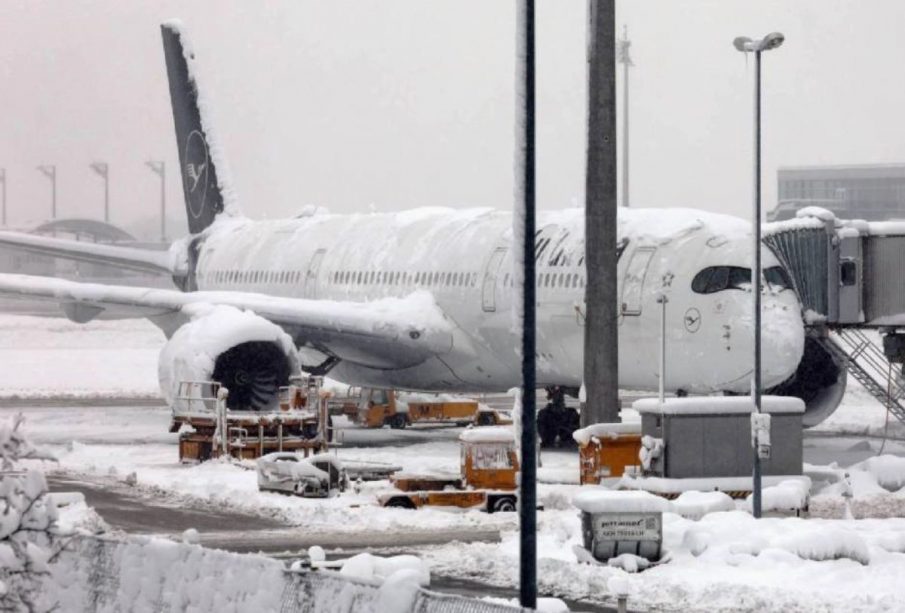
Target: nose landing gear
[{"x": 556, "y": 422}]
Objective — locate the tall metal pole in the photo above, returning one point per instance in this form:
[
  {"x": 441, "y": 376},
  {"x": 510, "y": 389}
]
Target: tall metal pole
[
  {"x": 625, "y": 59},
  {"x": 160, "y": 169},
  {"x": 525, "y": 181},
  {"x": 50, "y": 171},
  {"x": 755, "y": 285},
  {"x": 601, "y": 341},
  {"x": 103, "y": 170},
  {"x": 746, "y": 45},
  {"x": 3, "y": 182}
]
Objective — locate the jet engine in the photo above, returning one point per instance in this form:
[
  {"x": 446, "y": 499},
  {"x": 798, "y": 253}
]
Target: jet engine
[
  {"x": 819, "y": 381},
  {"x": 244, "y": 352}
]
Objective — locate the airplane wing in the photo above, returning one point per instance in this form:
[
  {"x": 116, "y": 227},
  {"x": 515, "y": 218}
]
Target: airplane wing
[
  {"x": 388, "y": 333},
  {"x": 144, "y": 260}
]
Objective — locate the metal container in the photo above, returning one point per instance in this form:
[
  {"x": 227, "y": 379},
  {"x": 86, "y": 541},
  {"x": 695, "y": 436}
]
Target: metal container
[{"x": 607, "y": 535}]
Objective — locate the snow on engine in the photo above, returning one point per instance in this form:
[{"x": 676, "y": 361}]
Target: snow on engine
[{"x": 250, "y": 356}]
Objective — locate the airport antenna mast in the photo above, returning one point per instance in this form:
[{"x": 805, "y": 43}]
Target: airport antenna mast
[{"x": 623, "y": 46}]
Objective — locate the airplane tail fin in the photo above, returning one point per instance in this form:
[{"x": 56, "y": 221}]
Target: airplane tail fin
[{"x": 203, "y": 169}]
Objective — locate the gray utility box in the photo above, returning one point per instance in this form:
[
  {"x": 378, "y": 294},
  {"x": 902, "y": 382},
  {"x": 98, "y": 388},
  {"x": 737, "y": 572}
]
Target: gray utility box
[
  {"x": 711, "y": 436},
  {"x": 607, "y": 535},
  {"x": 615, "y": 522}
]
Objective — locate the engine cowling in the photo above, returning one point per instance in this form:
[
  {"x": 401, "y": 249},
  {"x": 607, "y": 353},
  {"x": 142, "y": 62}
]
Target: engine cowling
[
  {"x": 819, "y": 380},
  {"x": 244, "y": 352}
]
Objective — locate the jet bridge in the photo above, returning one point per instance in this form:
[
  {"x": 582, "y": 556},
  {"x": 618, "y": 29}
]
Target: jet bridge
[{"x": 850, "y": 277}]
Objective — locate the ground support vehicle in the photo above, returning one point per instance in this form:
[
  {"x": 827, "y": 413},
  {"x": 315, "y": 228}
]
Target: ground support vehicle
[
  {"x": 487, "y": 416},
  {"x": 376, "y": 408},
  {"x": 607, "y": 450},
  {"x": 298, "y": 422},
  {"x": 556, "y": 421},
  {"x": 488, "y": 479},
  {"x": 320, "y": 476}
]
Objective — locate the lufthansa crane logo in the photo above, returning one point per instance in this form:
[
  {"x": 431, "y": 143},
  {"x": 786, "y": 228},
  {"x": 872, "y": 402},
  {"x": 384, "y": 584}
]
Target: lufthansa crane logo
[
  {"x": 692, "y": 320},
  {"x": 197, "y": 166}
]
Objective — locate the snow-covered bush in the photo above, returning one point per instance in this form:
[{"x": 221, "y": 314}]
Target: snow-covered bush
[{"x": 27, "y": 522}]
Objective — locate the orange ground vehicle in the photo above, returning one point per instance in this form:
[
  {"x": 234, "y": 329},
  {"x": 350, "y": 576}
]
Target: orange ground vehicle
[
  {"x": 376, "y": 408},
  {"x": 488, "y": 480},
  {"x": 606, "y": 450}
]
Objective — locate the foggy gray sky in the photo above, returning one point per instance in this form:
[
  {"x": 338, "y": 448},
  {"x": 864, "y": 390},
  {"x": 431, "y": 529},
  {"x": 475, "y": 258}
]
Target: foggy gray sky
[{"x": 402, "y": 103}]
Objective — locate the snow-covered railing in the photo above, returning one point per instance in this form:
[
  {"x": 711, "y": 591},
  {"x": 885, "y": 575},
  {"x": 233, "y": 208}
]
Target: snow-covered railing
[{"x": 104, "y": 573}]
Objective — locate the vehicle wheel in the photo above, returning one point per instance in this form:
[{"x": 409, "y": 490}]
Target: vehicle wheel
[
  {"x": 309, "y": 431},
  {"x": 400, "y": 502},
  {"x": 572, "y": 421},
  {"x": 504, "y": 504},
  {"x": 546, "y": 428},
  {"x": 485, "y": 419},
  {"x": 397, "y": 421}
]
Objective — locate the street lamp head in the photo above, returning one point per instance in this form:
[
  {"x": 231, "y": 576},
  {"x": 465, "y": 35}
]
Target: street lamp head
[
  {"x": 743, "y": 44},
  {"x": 770, "y": 41}
]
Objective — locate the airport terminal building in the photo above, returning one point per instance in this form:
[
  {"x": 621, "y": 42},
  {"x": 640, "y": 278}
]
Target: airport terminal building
[{"x": 870, "y": 192}]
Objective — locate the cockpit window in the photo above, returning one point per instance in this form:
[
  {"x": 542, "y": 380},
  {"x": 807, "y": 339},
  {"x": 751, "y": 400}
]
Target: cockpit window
[
  {"x": 717, "y": 278},
  {"x": 778, "y": 278}
]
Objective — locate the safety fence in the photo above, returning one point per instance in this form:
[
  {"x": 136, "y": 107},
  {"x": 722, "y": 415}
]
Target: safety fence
[{"x": 112, "y": 574}]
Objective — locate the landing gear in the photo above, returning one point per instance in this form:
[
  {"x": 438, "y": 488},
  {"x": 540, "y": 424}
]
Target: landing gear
[{"x": 556, "y": 422}]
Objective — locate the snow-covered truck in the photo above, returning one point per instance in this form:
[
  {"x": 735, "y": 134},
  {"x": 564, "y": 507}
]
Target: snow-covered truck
[
  {"x": 487, "y": 481},
  {"x": 375, "y": 408}
]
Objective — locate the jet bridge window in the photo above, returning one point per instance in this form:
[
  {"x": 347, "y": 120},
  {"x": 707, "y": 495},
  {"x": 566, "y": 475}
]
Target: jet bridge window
[{"x": 718, "y": 278}]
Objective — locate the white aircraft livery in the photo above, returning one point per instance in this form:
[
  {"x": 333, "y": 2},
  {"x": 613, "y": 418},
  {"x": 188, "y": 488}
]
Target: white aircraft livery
[{"x": 422, "y": 299}]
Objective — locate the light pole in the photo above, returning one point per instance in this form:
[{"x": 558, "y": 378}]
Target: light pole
[
  {"x": 103, "y": 170},
  {"x": 50, "y": 171},
  {"x": 623, "y": 57},
  {"x": 746, "y": 45},
  {"x": 160, "y": 169},
  {"x": 3, "y": 183},
  {"x": 524, "y": 216}
]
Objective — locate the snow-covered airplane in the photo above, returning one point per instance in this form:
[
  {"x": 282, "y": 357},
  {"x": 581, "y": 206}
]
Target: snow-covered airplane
[{"x": 421, "y": 299}]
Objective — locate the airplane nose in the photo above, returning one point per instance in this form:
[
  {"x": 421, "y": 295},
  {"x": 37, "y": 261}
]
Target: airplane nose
[{"x": 782, "y": 340}]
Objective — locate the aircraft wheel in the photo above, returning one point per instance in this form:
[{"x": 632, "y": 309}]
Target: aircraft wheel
[
  {"x": 504, "y": 504},
  {"x": 546, "y": 428},
  {"x": 399, "y": 502}
]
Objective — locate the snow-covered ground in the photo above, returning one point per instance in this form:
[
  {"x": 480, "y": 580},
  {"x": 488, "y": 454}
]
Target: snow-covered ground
[{"x": 725, "y": 561}]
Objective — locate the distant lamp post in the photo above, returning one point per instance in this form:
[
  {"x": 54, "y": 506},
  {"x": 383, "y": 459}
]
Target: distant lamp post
[
  {"x": 3, "y": 183},
  {"x": 160, "y": 169},
  {"x": 50, "y": 171},
  {"x": 747, "y": 45},
  {"x": 102, "y": 169},
  {"x": 622, "y": 56}
]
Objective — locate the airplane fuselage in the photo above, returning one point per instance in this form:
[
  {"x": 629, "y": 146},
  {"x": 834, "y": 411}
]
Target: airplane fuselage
[{"x": 464, "y": 259}]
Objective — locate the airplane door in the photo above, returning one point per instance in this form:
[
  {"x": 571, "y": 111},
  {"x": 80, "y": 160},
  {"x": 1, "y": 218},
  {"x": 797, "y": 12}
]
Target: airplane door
[
  {"x": 633, "y": 282},
  {"x": 311, "y": 276},
  {"x": 488, "y": 288}
]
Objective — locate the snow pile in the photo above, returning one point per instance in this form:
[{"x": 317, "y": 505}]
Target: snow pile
[
  {"x": 629, "y": 562},
  {"x": 695, "y": 505},
  {"x": 376, "y": 568},
  {"x": 888, "y": 470},
  {"x": 147, "y": 574},
  {"x": 544, "y": 605},
  {"x": 824, "y": 543},
  {"x": 599, "y": 500},
  {"x": 651, "y": 449},
  {"x": 788, "y": 495}
]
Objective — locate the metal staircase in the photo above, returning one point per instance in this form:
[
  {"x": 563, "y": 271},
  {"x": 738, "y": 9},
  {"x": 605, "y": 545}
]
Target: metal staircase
[{"x": 868, "y": 365}]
